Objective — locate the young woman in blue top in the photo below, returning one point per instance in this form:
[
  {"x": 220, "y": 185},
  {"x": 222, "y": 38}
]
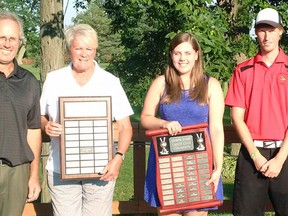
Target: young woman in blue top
[{"x": 185, "y": 96}]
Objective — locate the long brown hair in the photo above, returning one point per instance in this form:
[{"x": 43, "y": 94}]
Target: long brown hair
[{"x": 198, "y": 83}]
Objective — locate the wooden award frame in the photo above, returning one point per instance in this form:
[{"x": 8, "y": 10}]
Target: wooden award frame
[
  {"x": 183, "y": 166},
  {"x": 87, "y": 140}
]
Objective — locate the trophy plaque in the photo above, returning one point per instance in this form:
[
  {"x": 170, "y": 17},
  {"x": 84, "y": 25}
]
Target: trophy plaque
[
  {"x": 87, "y": 140},
  {"x": 183, "y": 166}
]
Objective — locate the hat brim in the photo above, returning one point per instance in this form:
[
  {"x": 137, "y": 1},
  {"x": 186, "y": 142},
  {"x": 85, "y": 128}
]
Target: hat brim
[{"x": 268, "y": 22}]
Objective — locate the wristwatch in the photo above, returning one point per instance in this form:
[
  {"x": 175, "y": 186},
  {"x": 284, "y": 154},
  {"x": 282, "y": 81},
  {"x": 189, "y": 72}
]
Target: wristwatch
[{"x": 121, "y": 154}]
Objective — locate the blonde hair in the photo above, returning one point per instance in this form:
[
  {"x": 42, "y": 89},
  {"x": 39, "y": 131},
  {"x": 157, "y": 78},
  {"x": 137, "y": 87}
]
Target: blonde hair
[
  {"x": 83, "y": 30},
  {"x": 198, "y": 83}
]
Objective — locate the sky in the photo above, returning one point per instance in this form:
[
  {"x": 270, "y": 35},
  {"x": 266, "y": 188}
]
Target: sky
[{"x": 70, "y": 13}]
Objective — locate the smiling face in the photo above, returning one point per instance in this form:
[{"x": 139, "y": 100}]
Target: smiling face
[
  {"x": 82, "y": 52},
  {"x": 10, "y": 40},
  {"x": 268, "y": 38},
  {"x": 183, "y": 57}
]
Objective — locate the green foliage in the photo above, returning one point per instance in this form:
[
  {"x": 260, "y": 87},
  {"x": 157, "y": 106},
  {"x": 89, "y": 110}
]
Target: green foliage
[
  {"x": 229, "y": 166},
  {"x": 29, "y": 12},
  {"x": 134, "y": 34},
  {"x": 146, "y": 41},
  {"x": 109, "y": 43},
  {"x": 137, "y": 113},
  {"x": 143, "y": 27},
  {"x": 146, "y": 27}
]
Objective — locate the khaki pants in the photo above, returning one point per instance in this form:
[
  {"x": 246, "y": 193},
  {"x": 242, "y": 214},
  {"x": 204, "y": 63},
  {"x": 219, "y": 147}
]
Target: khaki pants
[
  {"x": 13, "y": 189},
  {"x": 80, "y": 198}
]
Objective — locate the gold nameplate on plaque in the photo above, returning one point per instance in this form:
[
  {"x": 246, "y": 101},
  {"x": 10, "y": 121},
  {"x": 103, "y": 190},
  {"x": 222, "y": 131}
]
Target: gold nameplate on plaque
[{"x": 87, "y": 139}]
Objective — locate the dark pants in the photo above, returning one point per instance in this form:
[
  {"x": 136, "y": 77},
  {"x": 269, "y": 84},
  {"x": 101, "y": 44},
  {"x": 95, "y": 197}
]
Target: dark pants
[
  {"x": 13, "y": 189},
  {"x": 252, "y": 190}
]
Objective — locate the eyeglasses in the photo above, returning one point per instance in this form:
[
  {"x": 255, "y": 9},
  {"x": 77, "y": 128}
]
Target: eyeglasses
[{"x": 12, "y": 40}]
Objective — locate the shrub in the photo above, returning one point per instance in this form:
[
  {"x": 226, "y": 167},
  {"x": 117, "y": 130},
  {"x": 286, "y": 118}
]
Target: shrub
[{"x": 229, "y": 166}]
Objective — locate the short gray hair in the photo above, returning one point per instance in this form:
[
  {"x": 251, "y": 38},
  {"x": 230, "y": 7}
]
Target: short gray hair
[
  {"x": 83, "y": 30},
  {"x": 13, "y": 16}
]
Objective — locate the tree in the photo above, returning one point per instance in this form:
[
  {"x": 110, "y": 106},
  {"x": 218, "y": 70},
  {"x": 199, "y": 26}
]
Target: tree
[
  {"x": 51, "y": 33},
  {"x": 28, "y": 11},
  {"x": 143, "y": 28},
  {"x": 146, "y": 27},
  {"x": 109, "y": 43},
  {"x": 52, "y": 52},
  {"x": 52, "y": 38}
]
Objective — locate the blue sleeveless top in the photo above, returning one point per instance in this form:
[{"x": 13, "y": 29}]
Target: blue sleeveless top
[{"x": 186, "y": 112}]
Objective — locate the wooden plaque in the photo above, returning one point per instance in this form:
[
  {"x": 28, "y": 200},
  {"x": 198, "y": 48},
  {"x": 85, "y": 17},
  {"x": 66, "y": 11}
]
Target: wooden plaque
[
  {"x": 87, "y": 139},
  {"x": 183, "y": 166}
]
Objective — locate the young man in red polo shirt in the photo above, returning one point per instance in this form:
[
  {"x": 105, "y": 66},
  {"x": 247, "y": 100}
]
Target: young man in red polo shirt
[{"x": 258, "y": 97}]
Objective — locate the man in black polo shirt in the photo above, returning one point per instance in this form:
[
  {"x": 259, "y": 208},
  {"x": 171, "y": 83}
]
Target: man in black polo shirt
[{"x": 20, "y": 133}]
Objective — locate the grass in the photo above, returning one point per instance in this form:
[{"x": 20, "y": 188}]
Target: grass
[
  {"x": 124, "y": 189},
  {"x": 33, "y": 70},
  {"x": 125, "y": 180},
  {"x": 124, "y": 185}
]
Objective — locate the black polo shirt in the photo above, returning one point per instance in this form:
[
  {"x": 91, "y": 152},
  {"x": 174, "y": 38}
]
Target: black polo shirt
[{"x": 19, "y": 111}]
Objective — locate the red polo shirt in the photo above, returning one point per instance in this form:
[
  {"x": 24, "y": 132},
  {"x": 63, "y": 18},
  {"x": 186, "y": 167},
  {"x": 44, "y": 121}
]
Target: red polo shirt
[{"x": 263, "y": 92}]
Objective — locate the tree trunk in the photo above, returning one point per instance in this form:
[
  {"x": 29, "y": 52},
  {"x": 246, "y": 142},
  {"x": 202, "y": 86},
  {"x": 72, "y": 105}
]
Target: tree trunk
[
  {"x": 20, "y": 55},
  {"x": 21, "y": 52},
  {"x": 235, "y": 148},
  {"x": 52, "y": 37},
  {"x": 52, "y": 55}
]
